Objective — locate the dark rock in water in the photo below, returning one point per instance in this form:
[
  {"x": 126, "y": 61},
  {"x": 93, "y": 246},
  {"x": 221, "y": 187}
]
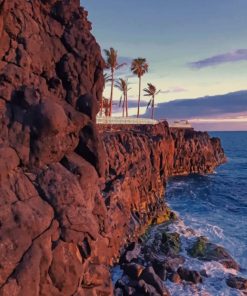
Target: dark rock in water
[
  {"x": 126, "y": 286},
  {"x": 173, "y": 263},
  {"x": 118, "y": 292},
  {"x": 175, "y": 278},
  {"x": 171, "y": 243},
  {"x": 160, "y": 269},
  {"x": 145, "y": 289},
  {"x": 205, "y": 250},
  {"x": 192, "y": 276},
  {"x": 150, "y": 277},
  {"x": 131, "y": 252},
  {"x": 203, "y": 273},
  {"x": 236, "y": 282},
  {"x": 133, "y": 270}
]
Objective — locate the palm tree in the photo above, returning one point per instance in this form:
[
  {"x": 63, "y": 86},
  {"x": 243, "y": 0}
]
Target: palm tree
[
  {"x": 151, "y": 92},
  {"x": 111, "y": 63},
  {"x": 107, "y": 78},
  {"x": 106, "y": 106},
  {"x": 139, "y": 67},
  {"x": 122, "y": 85}
]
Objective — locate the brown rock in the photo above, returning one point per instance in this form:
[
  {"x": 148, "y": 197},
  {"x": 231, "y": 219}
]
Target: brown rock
[
  {"x": 175, "y": 278},
  {"x": 133, "y": 270},
  {"x": 8, "y": 161},
  {"x": 132, "y": 252},
  {"x": 236, "y": 282},
  {"x": 151, "y": 278},
  {"x": 189, "y": 275},
  {"x": 66, "y": 268}
]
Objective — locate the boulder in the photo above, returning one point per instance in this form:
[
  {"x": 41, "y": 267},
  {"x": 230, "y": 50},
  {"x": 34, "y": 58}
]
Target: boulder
[
  {"x": 237, "y": 282},
  {"x": 131, "y": 252},
  {"x": 133, "y": 270},
  {"x": 173, "y": 263},
  {"x": 145, "y": 289},
  {"x": 205, "y": 250},
  {"x": 187, "y": 275},
  {"x": 171, "y": 244},
  {"x": 160, "y": 269},
  {"x": 175, "y": 278},
  {"x": 151, "y": 278}
]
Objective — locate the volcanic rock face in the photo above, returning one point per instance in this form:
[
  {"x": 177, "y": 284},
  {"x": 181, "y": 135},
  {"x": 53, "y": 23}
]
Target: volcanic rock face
[
  {"x": 61, "y": 226},
  {"x": 51, "y": 210}
]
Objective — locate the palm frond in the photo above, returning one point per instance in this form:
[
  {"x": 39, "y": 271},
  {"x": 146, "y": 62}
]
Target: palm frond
[
  {"x": 120, "y": 66},
  {"x": 139, "y": 66},
  {"x": 107, "y": 77}
]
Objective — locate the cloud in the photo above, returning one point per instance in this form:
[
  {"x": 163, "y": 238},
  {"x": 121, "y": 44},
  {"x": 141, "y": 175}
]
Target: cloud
[
  {"x": 204, "y": 107},
  {"x": 176, "y": 89},
  {"x": 230, "y": 57},
  {"x": 126, "y": 60}
]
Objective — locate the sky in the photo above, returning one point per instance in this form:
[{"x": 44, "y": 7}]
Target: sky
[{"x": 194, "y": 48}]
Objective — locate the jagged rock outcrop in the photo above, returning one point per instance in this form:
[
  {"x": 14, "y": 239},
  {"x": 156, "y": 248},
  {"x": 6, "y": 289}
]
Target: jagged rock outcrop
[{"x": 61, "y": 225}]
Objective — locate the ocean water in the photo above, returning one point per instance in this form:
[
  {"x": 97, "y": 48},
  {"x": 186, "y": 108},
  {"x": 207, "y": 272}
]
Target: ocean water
[{"x": 214, "y": 206}]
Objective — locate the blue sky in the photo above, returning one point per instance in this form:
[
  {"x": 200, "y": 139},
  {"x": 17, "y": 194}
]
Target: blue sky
[{"x": 194, "y": 47}]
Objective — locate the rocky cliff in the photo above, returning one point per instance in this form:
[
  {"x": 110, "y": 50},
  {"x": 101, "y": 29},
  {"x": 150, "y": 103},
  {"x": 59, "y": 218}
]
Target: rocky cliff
[
  {"x": 139, "y": 161},
  {"x": 51, "y": 159},
  {"x": 68, "y": 201}
]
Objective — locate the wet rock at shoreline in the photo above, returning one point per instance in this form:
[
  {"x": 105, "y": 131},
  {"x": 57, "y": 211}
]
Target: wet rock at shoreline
[
  {"x": 207, "y": 251},
  {"x": 187, "y": 275},
  {"x": 160, "y": 269},
  {"x": 131, "y": 252},
  {"x": 236, "y": 282},
  {"x": 151, "y": 278},
  {"x": 175, "y": 278},
  {"x": 133, "y": 270},
  {"x": 171, "y": 243},
  {"x": 167, "y": 216},
  {"x": 173, "y": 263}
]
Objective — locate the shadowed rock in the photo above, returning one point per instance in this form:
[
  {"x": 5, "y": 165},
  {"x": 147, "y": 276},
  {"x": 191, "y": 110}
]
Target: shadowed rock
[{"x": 236, "y": 282}]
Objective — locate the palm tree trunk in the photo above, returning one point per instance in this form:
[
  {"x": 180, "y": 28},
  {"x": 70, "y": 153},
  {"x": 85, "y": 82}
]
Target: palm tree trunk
[
  {"x": 123, "y": 107},
  {"x": 126, "y": 103},
  {"x": 139, "y": 98},
  {"x": 153, "y": 108},
  {"x": 112, "y": 86}
]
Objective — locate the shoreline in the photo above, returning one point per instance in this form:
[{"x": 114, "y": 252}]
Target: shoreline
[{"x": 178, "y": 272}]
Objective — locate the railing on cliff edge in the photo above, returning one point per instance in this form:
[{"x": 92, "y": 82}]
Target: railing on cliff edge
[
  {"x": 182, "y": 124},
  {"x": 125, "y": 121}
]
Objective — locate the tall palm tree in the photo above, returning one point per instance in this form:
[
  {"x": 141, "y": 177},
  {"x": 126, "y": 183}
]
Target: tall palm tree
[
  {"x": 151, "y": 92},
  {"x": 107, "y": 78},
  {"x": 139, "y": 67},
  {"x": 112, "y": 64},
  {"x": 122, "y": 85}
]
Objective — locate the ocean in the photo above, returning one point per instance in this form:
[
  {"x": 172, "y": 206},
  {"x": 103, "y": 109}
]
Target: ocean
[{"x": 214, "y": 206}]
